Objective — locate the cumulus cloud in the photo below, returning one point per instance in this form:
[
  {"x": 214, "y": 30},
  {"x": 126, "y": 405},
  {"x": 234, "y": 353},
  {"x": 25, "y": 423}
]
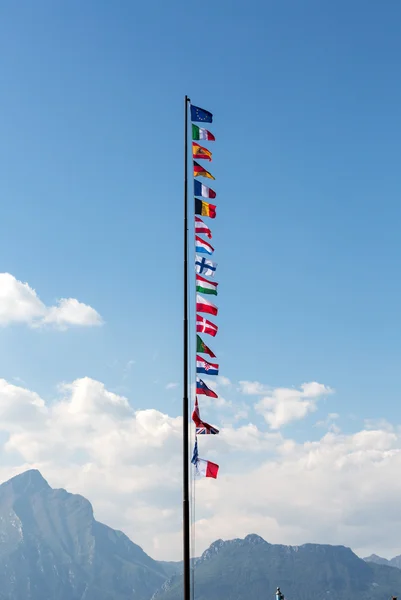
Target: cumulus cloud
[
  {"x": 283, "y": 405},
  {"x": 252, "y": 388},
  {"x": 19, "y": 303},
  {"x": 339, "y": 489}
]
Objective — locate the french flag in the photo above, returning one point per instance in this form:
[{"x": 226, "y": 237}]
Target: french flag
[
  {"x": 203, "y": 366},
  {"x": 203, "y": 305},
  {"x": 204, "y": 468},
  {"x": 201, "y": 227},
  {"x": 205, "y": 326},
  {"x": 202, "y": 190},
  {"x": 202, "y": 246},
  {"x": 201, "y": 388}
]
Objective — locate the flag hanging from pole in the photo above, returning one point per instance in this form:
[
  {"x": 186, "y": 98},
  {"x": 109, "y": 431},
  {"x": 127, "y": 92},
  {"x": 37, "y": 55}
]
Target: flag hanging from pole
[
  {"x": 201, "y": 189},
  {"x": 201, "y": 347},
  {"x": 204, "y": 209},
  {"x": 205, "y": 367},
  {"x": 202, "y": 428},
  {"x": 204, "y": 468},
  {"x": 205, "y": 306},
  {"x": 202, "y": 246},
  {"x": 203, "y": 268},
  {"x": 201, "y": 152},
  {"x": 200, "y": 171},
  {"x": 198, "y": 133},
  {"x": 201, "y": 227},
  {"x": 202, "y": 389},
  {"x": 205, "y": 326},
  {"x": 201, "y": 115},
  {"x": 205, "y": 286},
  {"x": 206, "y": 267}
]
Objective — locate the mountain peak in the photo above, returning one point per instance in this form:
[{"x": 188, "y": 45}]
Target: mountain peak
[
  {"x": 253, "y": 538},
  {"x": 28, "y": 482},
  {"x": 52, "y": 547}
]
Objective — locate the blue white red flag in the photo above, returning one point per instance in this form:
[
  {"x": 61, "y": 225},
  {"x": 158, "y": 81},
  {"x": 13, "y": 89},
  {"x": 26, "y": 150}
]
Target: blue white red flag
[
  {"x": 202, "y": 190},
  {"x": 202, "y": 246},
  {"x": 201, "y": 388},
  {"x": 203, "y": 366},
  {"x": 204, "y": 468}
]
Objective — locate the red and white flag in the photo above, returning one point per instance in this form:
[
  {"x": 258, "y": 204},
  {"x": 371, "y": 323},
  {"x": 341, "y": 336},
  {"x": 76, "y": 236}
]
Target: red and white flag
[
  {"x": 204, "y": 468},
  {"x": 202, "y": 428},
  {"x": 201, "y": 227},
  {"x": 205, "y": 306},
  {"x": 205, "y": 326}
]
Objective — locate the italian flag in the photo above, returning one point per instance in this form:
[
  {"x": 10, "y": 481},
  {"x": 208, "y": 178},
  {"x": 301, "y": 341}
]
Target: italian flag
[
  {"x": 199, "y": 133},
  {"x": 205, "y": 286}
]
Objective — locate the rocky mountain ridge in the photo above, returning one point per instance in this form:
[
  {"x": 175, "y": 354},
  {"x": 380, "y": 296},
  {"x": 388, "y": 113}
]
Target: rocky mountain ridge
[{"x": 52, "y": 548}]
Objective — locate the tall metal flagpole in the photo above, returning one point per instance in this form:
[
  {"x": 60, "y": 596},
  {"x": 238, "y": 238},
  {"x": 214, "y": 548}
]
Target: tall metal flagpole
[{"x": 185, "y": 411}]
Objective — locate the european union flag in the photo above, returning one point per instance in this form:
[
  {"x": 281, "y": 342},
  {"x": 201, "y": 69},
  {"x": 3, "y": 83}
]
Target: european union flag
[{"x": 199, "y": 114}]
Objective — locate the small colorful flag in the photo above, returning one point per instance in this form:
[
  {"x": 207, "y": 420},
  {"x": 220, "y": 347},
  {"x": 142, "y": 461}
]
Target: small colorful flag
[
  {"x": 202, "y": 428},
  {"x": 198, "y": 133},
  {"x": 202, "y": 246},
  {"x": 202, "y": 190},
  {"x": 200, "y": 171},
  {"x": 205, "y": 286},
  {"x": 200, "y": 152},
  {"x": 205, "y": 326},
  {"x": 202, "y": 389},
  {"x": 201, "y": 347},
  {"x": 201, "y": 115},
  {"x": 204, "y": 366},
  {"x": 205, "y": 266},
  {"x": 204, "y": 468},
  {"x": 206, "y": 429},
  {"x": 203, "y": 305},
  {"x": 201, "y": 227},
  {"x": 205, "y": 209}
]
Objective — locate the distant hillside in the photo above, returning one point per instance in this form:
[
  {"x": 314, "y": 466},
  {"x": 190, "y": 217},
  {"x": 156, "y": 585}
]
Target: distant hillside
[
  {"x": 53, "y": 549},
  {"x": 378, "y": 560},
  {"x": 251, "y": 569}
]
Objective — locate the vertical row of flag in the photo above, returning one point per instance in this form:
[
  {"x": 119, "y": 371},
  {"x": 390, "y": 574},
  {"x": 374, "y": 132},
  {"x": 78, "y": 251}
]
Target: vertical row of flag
[{"x": 205, "y": 270}]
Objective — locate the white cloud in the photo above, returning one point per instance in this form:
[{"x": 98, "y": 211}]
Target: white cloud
[
  {"x": 171, "y": 385},
  {"x": 253, "y": 388},
  {"x": 339, "y": 489},
  {"x": 284, "y": 405},
  {"x": 329, "y": 422},
  {"x": 19, "y": 303}
]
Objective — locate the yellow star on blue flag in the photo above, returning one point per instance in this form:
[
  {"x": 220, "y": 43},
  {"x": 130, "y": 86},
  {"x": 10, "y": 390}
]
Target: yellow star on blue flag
[{"x": 201, "y": 115}]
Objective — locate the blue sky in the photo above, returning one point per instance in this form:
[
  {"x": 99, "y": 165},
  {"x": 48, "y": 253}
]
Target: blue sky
[{"x": 306, "y": 100}]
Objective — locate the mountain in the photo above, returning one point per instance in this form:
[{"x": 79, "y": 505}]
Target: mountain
[
  {"x": 378, "y": 560},
  {"x": 51, "y": 548},
  {"x": 251, "y": 568}
]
